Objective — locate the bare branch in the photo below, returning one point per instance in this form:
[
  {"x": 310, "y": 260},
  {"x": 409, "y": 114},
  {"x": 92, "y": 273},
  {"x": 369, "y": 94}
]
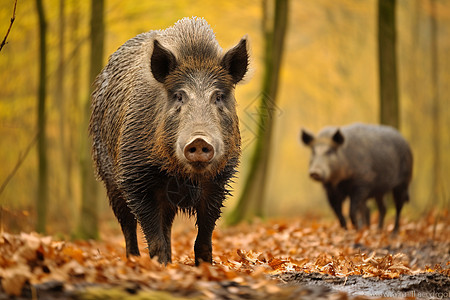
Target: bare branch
[
  {"x": 10, "y": 25},
  {"x": 18, "y": 164}
]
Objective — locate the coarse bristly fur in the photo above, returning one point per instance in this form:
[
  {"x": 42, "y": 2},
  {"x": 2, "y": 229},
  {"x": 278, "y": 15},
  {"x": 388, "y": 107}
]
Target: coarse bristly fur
[
  {"x": 159, "y": 91},
  {"x": 361, "y": 161}
]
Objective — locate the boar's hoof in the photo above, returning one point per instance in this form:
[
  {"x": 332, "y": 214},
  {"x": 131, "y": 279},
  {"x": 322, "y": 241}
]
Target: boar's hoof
[
  {"x": 199, "y": 151},
  {"x": 162, "y": 253},
  {"x": 203, "y": 253}
]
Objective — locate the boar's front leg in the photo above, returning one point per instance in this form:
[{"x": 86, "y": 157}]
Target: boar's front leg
[
  {"x": 155, "y": 215},
  {"x": 335, "y": 198},
  {"x": 203, "y": 242},
  {"x": 207, "y": 214}
]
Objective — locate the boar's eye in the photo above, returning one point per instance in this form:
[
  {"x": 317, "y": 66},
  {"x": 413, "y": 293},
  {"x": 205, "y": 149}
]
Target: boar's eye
[
  {"x": 178, "y": 97},
  {"x": 219, "y": 97}
]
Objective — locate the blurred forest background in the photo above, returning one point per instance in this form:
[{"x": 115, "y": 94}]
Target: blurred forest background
[{"x": 328, "y": 76}]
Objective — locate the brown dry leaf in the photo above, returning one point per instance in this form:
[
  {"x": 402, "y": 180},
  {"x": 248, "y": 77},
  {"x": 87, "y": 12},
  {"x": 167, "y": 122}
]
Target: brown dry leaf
[
  {"x": 276, "y": 263},
  {"x": 13, "y": 279},
  {"x": 73, "y": 253}
]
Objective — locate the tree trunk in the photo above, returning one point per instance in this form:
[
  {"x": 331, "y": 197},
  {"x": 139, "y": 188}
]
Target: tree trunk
[
  {"x": 42, "y": 197},
  {"x": 61, "y": 103},
  {"x": 435, "y": 117},
  {"x": 415, "y": 74},
  {"x": 389, "y": 104},
  {"x": 252, "y": 200},
  {"x": 59, "y": 89},
  {"x": 88, "y": 223},
  {"x": 73, "y": 106}
]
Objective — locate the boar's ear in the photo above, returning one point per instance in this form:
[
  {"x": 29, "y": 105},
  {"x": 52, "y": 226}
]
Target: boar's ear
[
  {"x": 235, "y": 61},
  {"x": 338, "y": 138},
  {"x": 162, "y": 62},
  {"x": 307, "y": 138}
]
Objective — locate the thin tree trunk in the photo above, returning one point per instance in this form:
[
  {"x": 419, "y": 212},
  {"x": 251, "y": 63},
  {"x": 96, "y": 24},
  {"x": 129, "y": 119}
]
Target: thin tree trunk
[
  {"x": 61, "y": 103},
  {"x": 435, "y": 117},
  {"x": 389, "y": 104},
  {"x": 59, "y": 90},
  {"x": 88, "y": 223},
  {"x": 42, "y": 197},
  {"x": 415, "y": 75},
  {"x": 252, "y": 200},
  {"x": 73, "y": 104}
]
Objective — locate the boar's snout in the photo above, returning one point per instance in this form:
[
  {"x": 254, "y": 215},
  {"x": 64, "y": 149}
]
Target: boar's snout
[{"x": 199, "y": 150}]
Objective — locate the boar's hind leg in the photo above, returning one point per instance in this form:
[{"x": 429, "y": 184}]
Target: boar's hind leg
[
  {"x": 381, "y": 210},
  {"x": 365, "y": 211},
  {"x": 126, "y": 219},
  {"x": 358, "y": 206},
  {"x": 401, "y": 196}
]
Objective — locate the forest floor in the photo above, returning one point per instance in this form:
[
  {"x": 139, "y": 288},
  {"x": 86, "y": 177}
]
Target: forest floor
[{"x": 282, "y": 259}]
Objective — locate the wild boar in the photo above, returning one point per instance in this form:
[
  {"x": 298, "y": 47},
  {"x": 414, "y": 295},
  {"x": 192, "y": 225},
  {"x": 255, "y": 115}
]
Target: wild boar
[
  {"x": 166, "y": 134},
  {"x": 361, "y": 161}
]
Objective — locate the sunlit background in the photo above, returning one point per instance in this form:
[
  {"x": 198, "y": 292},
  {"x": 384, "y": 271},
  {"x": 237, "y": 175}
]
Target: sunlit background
[{"x": 329, "y": 76}]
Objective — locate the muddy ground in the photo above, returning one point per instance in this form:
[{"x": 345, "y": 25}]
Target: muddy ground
[
  {"x": 294, "y": 286},
  {"x": 419, "y": 286}
]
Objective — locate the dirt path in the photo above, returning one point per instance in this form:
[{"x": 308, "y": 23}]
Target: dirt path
[{"x": 419, "y": 286}]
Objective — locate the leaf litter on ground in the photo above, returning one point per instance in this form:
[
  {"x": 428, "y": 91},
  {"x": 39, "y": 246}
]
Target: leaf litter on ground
[{"x": 247, "y": 258}]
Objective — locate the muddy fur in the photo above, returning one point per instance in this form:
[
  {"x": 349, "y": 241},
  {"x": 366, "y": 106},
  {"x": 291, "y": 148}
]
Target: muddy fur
[{"x": 156, "y": 90}]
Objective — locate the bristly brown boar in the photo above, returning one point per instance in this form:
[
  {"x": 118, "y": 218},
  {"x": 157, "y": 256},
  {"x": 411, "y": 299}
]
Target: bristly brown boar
[
  {"x": 165, "y": 131},
  {"x": 361, "y": 161}
]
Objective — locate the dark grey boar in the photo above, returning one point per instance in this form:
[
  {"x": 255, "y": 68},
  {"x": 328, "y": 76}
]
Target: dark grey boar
[
  {"x": 166, "y": 134},
  {"x": 361, "y": 161}
]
